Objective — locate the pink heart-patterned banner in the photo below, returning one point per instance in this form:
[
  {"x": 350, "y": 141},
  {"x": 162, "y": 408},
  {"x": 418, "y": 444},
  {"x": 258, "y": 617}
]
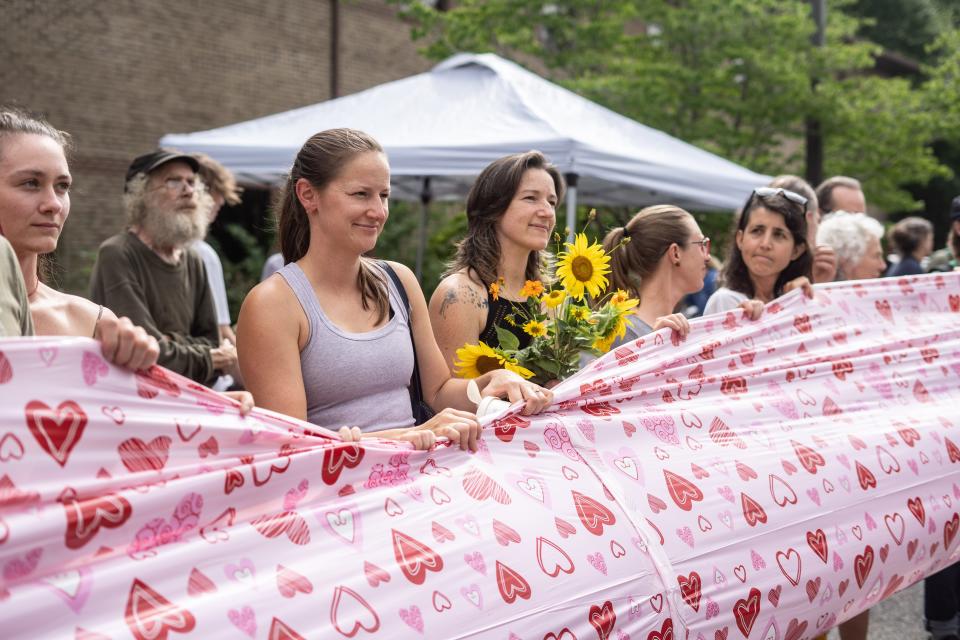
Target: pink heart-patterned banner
[{"x": 757, "y": 480}]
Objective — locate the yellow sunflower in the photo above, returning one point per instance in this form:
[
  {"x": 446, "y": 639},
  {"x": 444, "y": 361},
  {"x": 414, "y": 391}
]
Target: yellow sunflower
[
  {"x": 535, "y": 328},
  {"x": 579, "y": 313},
  {"x": 511, "y": 365},
  {"x": 618, "y": 330},
  {"x": 474, "y": 360},
  {"x": 622, "y": 301},
  {"x": 603, "y": 344},
  {"x": 583, "y": 267},
  {"x": 532, "y": 288},
  {"x": 511, "y": 320},
  {"x": 554, "y": 298}
]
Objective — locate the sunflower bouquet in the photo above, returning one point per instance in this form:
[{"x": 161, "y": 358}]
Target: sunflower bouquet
[{"x": 559, "y": 318}]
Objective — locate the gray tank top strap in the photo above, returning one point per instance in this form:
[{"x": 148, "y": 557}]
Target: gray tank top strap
[{"x": 352, "y": 378}]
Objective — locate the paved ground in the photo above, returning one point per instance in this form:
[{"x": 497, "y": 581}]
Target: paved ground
[{"x": 897, "y": 618}]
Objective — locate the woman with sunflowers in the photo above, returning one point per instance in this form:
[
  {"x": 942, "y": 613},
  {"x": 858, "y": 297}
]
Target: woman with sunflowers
[
  {"x": 499, "y": 264},
  {"x": 663, "y": 256},
  {"x": 334, "y": 337}
]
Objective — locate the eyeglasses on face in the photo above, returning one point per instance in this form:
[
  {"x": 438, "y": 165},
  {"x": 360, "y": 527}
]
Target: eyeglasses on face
[
  {"x": 178, "y": 184},
  {"x": 704, "y": 245}
]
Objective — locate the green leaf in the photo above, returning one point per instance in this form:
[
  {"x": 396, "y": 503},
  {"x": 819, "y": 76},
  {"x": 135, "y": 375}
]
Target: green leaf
[{"x": 508, "y": 341}]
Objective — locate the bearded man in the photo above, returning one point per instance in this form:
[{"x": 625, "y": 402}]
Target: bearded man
[{"x": 150, "y": 274}]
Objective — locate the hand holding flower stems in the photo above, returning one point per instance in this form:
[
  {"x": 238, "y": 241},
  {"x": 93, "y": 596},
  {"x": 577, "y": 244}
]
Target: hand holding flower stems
[{"x": 558, "y": 318}]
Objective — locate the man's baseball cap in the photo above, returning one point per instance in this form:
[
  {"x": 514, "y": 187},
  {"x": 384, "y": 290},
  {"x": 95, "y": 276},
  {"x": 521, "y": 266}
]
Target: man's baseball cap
[
  {"x": 955, "y": 209},
  {"x": 150, "y": 161}
]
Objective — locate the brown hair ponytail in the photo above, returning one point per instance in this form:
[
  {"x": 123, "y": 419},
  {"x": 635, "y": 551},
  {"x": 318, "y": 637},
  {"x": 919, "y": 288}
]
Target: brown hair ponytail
[
  {"x": 651, "y": 233},
  {"x": 319, "y": 161}
]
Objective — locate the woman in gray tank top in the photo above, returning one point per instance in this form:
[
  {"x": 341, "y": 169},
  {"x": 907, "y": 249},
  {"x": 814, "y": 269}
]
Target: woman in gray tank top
[{"x": 327, "y": 339}]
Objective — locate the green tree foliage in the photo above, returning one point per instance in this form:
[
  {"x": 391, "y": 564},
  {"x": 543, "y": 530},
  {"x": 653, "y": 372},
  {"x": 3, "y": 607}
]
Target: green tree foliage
[{"x": 732, "y": 76}]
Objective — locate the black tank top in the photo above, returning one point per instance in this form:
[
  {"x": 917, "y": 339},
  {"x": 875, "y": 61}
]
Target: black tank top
[{"x": 497, "y": 310}]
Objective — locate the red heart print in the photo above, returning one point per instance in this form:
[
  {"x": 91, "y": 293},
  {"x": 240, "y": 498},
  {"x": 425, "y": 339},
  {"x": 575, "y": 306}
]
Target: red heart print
[
  {"x": 718, "y": 635},
  {"x": 340, "y": 457},
  {"x": 809, "y": 458},
  {"x": 666, "y": 631},
  {"x": 746, "y": 610},
  {"x": 690, "y": 589},
  {"x": 952, "y": 451},
  {"x": 199, "y": 584},
  {"x": 564, "y": 528},
  {"x": 414, "y": 558},
  {"x": 603, "y": 619},
  {"x": 883, "y": 308},
  {"x": 552, "y": 558},
  {"x": 233, "y": 480},
  {"x": 774, "y": 595},
  {"x": 138, "y": 455},
  {"x": 733, "y": 385},
  {"x": 564, "y": 634},
  {"x": 862, "y": 564},
  {"x": 950, "y": 530},
  {"x": 599, "y": 409},
  {"x": 151, "y": 616},
  {"x": 706, "y": 352},
  {"x": 209, "y": 447},
  {"x": 745, "y": 472},
  {"x": 511, "y": 584},
  {"x": 375, "y": 575},
  {"x": 842, "y": 368},
  {"x": 954, "y": 303},
  {"x": 856, "y": 442},
  {"x": 345, "y": 616},
  {"x": 795, "y": 629},
  {"x": 480, "y": 486},
  {"x": 57, "y": 432},
  {"x": 592, "y": 514},
  {"x": 920, "y": 392},
  {"x": 699, "y": 472},
  {"x": 683, "y": 492},
  {"x": 6, "y": 370},
  {"x": 625, "y": 355},
  {"x": 531, "y": 448},
  {"x": 724, "y": 435},
  {"x": 506, "y": 428},
  {"x": 790, "y": 565},
  {"x": 86, "y": 516},
  {"x": 290, "y": 583},
  {"x": 288, "y": 523},
  {"x": 818, "y": 542},
  {"x": 915, "y": 505},
  {"x": 281, "y": 631},
  {"x": 753, "y": 513},
  {"x": 656, "y": 504},
  {"x": 813, "y": 588},
  {"x": 441, "y": 533},
  {"x": 866, "y": 478},
  {"x": 504, "y": 533},
  {"x": 802, "y": 323}
]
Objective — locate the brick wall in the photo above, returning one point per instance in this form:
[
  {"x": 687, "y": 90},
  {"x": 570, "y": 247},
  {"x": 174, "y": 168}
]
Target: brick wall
[{"x": 119, "y": 74}]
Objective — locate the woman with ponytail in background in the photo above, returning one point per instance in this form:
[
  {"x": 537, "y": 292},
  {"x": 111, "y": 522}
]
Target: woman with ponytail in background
[
  {"x": 328, "y": 338},
  {"x": 664, "y": 258}
]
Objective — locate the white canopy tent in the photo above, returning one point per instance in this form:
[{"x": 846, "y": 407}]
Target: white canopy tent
[{"x": 440, "y": 128}]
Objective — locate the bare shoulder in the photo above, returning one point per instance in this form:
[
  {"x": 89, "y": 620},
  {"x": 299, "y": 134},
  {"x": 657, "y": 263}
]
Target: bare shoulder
[
  {"x": 272, "y": 297},
  {"x": 459, "y": 289},
  {"x": 63, "y": 314}
]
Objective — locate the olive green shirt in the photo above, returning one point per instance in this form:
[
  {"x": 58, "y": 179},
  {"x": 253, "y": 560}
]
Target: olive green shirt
[
  {"x": 15, "y": 317},
  {"x": 171, "y": 301}
]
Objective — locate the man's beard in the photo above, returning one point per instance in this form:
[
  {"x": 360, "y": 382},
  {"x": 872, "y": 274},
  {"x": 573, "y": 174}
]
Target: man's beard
[{"x": 173, "y": 229}]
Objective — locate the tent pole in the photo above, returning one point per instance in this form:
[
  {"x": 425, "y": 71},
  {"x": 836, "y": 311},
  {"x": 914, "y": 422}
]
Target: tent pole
[
  {"x": 571, "y": 204},
  {"x": 425, "y": 197}
]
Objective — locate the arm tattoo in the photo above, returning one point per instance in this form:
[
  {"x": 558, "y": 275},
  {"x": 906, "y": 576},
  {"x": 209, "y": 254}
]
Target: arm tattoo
[
  {"x": 467, "y": 296},
  {"x": 449, "y": 298}
]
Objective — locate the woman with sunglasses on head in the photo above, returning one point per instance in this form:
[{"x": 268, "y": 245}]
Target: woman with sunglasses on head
[
  {"x": 664, "y": 258},
  {"x": 330, "y": 338},
  {"x": 511, "y": 213},
  {"x": 768, "y": 256}
]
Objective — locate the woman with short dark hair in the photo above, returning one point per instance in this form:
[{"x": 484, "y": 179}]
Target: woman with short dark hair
[{"x": 768, "y": 254}]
